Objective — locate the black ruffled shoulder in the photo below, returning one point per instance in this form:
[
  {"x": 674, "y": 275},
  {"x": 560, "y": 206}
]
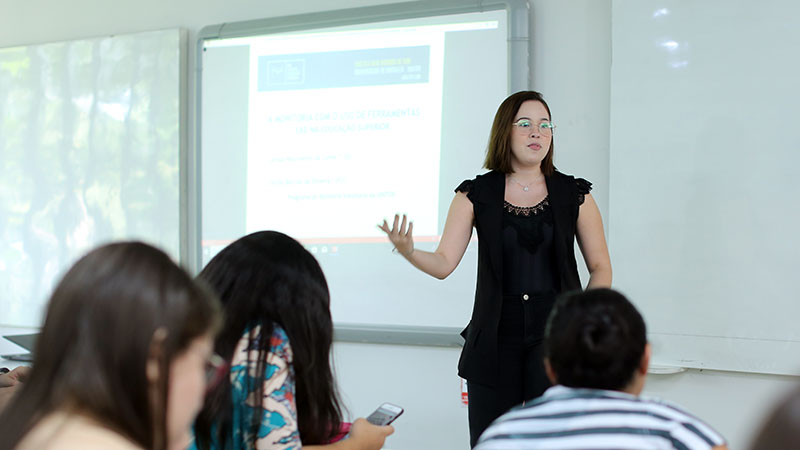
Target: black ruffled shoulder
[
  {"x": 584, "y": 187},
  {"x": 465, "y": 186}
]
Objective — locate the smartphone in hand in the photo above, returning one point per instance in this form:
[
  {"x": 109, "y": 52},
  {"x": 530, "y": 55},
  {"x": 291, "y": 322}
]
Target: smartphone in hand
[{"x": 385, "y": 414}]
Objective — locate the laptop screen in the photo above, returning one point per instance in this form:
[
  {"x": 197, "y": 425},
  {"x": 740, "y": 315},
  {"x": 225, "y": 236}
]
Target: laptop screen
[{"x": 26, "y": 341}]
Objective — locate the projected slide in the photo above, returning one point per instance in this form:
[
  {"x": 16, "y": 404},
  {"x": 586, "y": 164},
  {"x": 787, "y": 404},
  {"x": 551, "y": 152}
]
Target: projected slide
[
  {"x": 345, "y": 134},
  {"x": 322, "y": 133}
]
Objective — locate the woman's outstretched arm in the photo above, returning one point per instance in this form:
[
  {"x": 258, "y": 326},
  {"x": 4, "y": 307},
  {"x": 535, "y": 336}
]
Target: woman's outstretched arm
[{"x": 455, "y": 238}]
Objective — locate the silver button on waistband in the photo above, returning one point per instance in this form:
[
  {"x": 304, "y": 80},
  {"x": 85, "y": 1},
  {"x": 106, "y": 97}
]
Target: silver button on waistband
[{"x": 525, "y": 296}]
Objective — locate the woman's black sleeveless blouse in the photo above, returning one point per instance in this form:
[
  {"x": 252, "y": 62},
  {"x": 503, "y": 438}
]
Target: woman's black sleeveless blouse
[{"x": 528, "y": 257}]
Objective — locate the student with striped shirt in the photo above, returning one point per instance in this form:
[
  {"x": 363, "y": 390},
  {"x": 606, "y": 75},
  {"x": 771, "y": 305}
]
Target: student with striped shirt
[{"x": 597, "y": 357}]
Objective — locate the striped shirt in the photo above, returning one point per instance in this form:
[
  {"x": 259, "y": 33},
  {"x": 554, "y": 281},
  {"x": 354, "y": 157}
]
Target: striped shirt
[{"x": 582, "y": 419}]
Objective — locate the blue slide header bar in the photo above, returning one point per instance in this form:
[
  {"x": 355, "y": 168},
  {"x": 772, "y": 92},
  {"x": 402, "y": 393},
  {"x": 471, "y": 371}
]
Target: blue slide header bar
[{"x": 351, "y": 68}]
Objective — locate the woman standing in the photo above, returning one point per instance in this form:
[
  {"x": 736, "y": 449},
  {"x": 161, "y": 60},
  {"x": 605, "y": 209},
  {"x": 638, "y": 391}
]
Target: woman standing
[{"x": 527, "y": 216}]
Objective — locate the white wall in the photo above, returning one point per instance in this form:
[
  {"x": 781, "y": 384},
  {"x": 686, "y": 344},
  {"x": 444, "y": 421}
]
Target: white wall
[
  {"x": 571, "y": 67},
  {"x": 422, "y": 380},
  {"x": 734, "y": 403},
  {"x": 38, "y": 21},
  {"x": 571, "y": 42}
]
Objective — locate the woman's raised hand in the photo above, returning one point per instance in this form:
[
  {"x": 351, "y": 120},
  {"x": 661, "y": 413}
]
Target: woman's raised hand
[{"x": 401, "y": 237}]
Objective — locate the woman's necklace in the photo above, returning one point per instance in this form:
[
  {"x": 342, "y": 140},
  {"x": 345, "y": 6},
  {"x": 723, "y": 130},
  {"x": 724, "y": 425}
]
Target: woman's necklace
[{"x": 525, "y": 187}]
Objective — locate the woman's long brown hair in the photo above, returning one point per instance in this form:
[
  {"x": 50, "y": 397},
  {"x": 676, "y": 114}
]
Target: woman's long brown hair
[{"x": 94, "y": 346}]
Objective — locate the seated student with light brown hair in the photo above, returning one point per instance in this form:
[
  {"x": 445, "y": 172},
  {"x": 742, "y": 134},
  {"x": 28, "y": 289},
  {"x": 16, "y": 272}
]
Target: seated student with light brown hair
[
  {"x": 596, "y": 355},
  {"x": 122, "y": 359}
]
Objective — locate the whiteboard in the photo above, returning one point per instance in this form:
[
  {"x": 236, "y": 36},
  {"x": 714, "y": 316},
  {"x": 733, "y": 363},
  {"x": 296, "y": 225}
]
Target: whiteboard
[
  {"x": 298, "y": 168},
  {"x": 90, "y": 151},
  {"x": 704, "y": 215}
]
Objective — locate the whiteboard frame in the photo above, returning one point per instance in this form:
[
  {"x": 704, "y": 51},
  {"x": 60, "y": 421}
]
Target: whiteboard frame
[{"x": 519, "y": 79}]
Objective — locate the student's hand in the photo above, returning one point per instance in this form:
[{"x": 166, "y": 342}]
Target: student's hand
[
  {"x": 400, "y": 236},
  {"x": 367, "y": 436},
  {"x": 10, "y": 383},
  {"x": 14, "y": 377}
]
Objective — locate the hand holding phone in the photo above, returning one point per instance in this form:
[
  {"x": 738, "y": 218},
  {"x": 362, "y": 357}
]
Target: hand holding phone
[
  {"x": 385, "y": 414},
  {"x": 367, "y": 436}
]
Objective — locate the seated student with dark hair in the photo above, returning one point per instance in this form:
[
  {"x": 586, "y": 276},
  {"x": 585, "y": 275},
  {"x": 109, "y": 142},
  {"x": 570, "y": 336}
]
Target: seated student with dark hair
[
  {"x": 597, "y": 357},
  {"x": 280, "y": 393}
]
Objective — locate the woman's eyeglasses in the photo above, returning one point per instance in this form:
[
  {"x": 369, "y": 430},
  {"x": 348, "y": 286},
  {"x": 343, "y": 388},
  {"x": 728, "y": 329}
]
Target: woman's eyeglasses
[{"x": 525, "y": 126}]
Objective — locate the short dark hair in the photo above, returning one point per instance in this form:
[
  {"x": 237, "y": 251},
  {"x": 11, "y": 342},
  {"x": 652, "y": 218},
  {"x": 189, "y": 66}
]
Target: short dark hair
[
  {"x": 96, "y": 341},
  {"x": 595, "y": 339},
  {"x": 266, "y": 279},
  {"x": 498, "y": 153}
]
